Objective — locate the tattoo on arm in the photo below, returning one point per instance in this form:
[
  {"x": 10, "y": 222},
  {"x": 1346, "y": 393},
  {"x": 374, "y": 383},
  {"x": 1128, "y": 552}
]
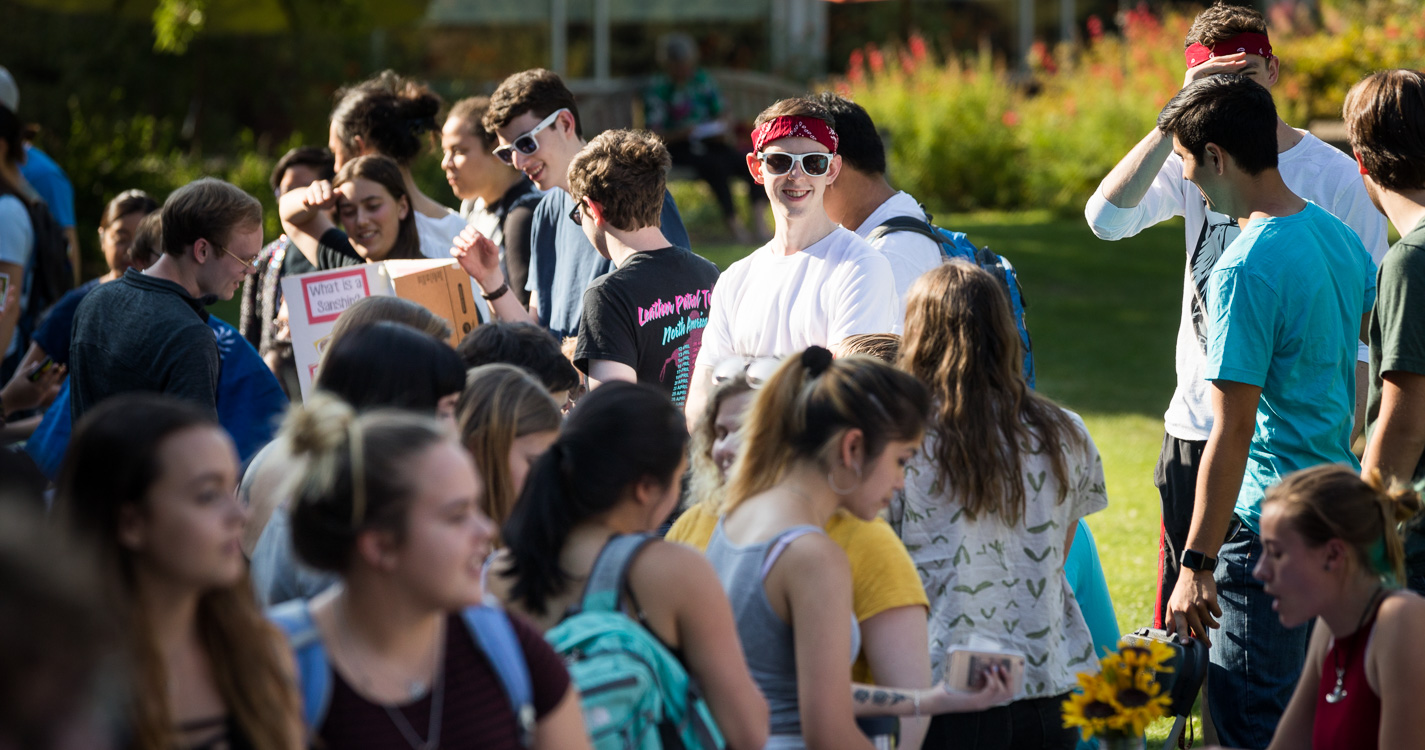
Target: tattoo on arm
[{"x": 880, "y": 697}]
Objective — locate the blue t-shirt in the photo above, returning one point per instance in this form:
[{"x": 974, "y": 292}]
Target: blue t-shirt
[
  {"x": 54, "y": 330},
  {"x": 52, "y": 184},
  {"x": 563, "y": 262},
  {"x": 1284, "y": 313}
]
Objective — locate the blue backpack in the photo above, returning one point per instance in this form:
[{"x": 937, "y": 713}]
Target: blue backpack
[
  {"x": 489, "y": 627},
  {"x": 635, "y": 693},
  {"x": 956, "y": 245}
]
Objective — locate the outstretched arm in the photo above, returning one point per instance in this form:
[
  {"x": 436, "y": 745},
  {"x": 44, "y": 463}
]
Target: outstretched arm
[{"x": 480, "y": 257}]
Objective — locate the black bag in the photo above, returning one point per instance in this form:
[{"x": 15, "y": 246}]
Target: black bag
[{"x": 52, "y": 275}]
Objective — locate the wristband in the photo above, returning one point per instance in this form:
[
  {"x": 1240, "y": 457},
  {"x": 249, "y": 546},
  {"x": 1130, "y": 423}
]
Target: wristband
[
  {"x": 1194, "y": 560},
  {"x": 498, "y": 293}
]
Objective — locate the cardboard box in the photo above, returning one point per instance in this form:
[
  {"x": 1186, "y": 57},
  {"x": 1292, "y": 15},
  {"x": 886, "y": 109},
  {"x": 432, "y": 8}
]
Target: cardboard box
[{"x": 315, "y": 300}]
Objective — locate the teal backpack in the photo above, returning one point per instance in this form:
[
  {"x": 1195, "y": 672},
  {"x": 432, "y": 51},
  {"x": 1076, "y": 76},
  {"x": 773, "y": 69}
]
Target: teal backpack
[{"x": 635, "y": 693}]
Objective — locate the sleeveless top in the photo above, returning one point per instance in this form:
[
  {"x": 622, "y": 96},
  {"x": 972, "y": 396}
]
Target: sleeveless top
[
  {"x": 1354, "y": 722},
  {"x": 767, "y": 640}
]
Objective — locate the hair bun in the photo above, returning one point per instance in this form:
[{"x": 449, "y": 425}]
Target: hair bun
[
  {"x": 319, "y": 426},
  {"x": 816, "y": 359}
]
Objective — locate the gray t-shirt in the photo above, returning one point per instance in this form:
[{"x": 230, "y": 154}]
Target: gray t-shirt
[{"x": 142, "y": 333}]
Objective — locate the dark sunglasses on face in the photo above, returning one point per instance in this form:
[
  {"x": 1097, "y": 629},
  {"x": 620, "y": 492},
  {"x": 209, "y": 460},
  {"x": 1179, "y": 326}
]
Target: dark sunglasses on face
[
  {"x": 526, "y": 143},
  {"x": 576, "y": 214},
  {"x": 778, "y": 163}
]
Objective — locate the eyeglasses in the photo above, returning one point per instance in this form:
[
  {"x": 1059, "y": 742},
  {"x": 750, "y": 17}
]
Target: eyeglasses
[
  {"x": 757, "y": 370},
  {"x": 778, "y": 163},
  {"x": 526, "y": 143},
  {"x": 576, "y": 214},
  {"x": 249, "y": 263}
]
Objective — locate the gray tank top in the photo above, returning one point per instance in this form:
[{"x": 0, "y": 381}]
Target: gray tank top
[{"x": 767, "y": 640}]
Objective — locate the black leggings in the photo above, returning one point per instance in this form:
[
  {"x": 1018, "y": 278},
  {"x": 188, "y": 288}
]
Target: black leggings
[{"x": 1029, "y": 724}]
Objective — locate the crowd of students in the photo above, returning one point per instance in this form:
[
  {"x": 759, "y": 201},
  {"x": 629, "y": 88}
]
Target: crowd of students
[{"x": 648, "y": 504}]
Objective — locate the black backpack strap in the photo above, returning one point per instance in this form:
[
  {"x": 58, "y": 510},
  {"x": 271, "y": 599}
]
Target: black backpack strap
[{"x": 904, "y": 224}]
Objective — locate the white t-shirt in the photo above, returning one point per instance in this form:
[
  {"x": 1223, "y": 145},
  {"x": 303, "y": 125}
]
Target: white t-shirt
[
  {"x": 437, "y": 237},
  {"x": 769, "y": 304},
  {"x": 910, "y": 254},
  {"x": 1313, "y": 169}
]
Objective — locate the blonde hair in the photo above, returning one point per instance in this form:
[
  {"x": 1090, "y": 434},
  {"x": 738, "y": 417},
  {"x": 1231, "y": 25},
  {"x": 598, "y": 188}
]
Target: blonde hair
[
  {"x": 500, "y": 404},
  {"x": 393, "y": 309},
  {"x": 1333, "y": 502},
  {"x": 961, "y": 340},
  {"x": 883, "y": 346},
  {"x": 809, "y": 402},
  {"x": 706, "y": 482}
]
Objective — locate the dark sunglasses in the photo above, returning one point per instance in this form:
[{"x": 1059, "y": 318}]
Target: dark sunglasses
[
  {"x": 526, "y": 143},
  {"x": 778, "y": 163},
  {"x": 576, "y": 214}
]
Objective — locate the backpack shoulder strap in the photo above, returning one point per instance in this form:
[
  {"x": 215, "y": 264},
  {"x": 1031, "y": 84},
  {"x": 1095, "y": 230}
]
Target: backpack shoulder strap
[
  {"x": 606, "y": 580},
  {"x": 904, "y": 224},
  {"x": 295, "y": 620},
  {"x": 496, "y": 638}
]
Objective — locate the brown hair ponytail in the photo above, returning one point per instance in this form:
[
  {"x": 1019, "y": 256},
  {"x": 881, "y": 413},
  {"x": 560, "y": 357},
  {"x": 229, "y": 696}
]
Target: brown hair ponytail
[
  {"x": 812, "y": 399},
  {"x": 1333, "y": 502}
]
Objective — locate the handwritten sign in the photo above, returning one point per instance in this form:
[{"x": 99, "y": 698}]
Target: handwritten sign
[{"x": 328, "y": 295}]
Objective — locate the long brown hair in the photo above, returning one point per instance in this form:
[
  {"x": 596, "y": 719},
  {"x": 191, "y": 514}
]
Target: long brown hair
[
  {"x": 809, "y": 402},
  {"x": 961, "y": 341},
  {"x": 111, "y": 465},
  {"x": 705, "y": 482},
  {"x": 500, "y": 404}
]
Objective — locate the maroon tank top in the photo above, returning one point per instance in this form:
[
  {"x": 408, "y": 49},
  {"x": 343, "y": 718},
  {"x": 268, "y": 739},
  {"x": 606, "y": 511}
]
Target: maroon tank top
[{"x": 1353, "y": 723}]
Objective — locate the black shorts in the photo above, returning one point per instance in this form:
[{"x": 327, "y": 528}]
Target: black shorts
[{"x": 1176, "y": 478}]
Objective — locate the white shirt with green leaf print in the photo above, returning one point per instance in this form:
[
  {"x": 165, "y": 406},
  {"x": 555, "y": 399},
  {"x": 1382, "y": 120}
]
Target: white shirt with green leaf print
[{"x": 1006, "y": 583}]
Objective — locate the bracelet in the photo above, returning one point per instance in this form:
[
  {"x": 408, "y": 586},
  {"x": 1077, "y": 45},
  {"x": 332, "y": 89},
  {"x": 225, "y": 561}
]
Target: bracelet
[
  {"x": 498, "y": 293},
  {"x": 915, "y": 701}
]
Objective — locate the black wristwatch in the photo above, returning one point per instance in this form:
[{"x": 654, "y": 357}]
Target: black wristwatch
[
  {"x": 498, "y": 293},
  {"x": 1194, "y": 560}
]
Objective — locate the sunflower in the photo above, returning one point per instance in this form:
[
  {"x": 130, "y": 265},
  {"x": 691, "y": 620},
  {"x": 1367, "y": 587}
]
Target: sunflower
[
  {"x": 1092, "y": 707},
  {"x": 1154, "y": 656},
  {"x": 1138, "y": 703}
]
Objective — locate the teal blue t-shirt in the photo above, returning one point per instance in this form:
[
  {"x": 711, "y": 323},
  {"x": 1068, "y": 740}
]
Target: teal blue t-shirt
[{"x": 1284, "y": 305}]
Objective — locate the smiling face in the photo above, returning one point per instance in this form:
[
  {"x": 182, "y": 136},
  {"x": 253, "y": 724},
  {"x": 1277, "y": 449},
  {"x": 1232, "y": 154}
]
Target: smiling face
[
  {"x": 883, "y": 476},
  {"x": 221, "y": 273},
  {"x": 1292, "y": 572},
  {"x": 727, "y": 431},
  {"x": 116, "y": 239},
  {"x": 547, "y": 167},
  {"x": 187, "y": 532},
  {"x": 371, "y": 217},
  {"x": 447, "y": 538},
  {"x": 794, "y": 194}
]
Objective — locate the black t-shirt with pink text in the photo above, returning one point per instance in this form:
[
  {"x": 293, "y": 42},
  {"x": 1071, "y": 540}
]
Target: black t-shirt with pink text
[{"x": 649, "y": 314}]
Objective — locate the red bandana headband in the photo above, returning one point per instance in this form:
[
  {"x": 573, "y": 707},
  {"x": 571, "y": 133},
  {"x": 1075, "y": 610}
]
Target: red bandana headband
[
  {"x": 1250, "y": 42},
  {"x": 794, "y": 127}
]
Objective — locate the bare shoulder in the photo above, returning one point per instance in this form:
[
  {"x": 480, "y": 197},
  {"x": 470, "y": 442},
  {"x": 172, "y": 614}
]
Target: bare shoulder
[
  {"x": 665, "y": 566},
  {"x": 1401, "y": 618}
]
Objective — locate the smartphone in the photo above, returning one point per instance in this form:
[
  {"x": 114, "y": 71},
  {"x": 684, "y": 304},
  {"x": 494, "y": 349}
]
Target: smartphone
[
  {"x": 965, "y": 669},
  {"x": 40, "y": 371}
]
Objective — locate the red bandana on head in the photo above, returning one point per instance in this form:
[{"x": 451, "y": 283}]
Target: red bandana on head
[
  {"x": 794, "y": 127},
  {"x": 1250, "y": 42}
]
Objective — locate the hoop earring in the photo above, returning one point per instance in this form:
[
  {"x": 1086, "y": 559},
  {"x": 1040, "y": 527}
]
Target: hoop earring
[{"x": 838, "y": 489}]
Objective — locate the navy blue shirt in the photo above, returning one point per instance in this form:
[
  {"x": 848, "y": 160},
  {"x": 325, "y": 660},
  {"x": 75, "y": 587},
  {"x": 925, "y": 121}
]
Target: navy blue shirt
[
  {"x": 563, "y": 263},
  {"x": 54, "y": 330}
]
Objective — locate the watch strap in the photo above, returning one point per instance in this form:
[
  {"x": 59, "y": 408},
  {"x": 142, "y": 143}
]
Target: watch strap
[
  {"x": 498, "y": 293},
  {"x": 1194, "y": 560}
]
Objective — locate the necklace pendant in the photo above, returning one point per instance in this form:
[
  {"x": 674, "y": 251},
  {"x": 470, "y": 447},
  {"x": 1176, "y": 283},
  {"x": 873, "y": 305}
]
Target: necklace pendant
[{"x": 1337, "y": 694}]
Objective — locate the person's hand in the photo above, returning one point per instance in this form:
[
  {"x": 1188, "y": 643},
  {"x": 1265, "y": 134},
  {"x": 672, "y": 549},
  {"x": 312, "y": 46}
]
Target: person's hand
[
  {"x": 319, "y": 196},
  {"x": 282, "y": 330},
  {"x": 22, "y": 394},
  {"x": 1233, "y": 63},
  {"x": 480, "y": 257},
  {"x": 995, "y": 692},
  {"x": 1193, "y": 609}
]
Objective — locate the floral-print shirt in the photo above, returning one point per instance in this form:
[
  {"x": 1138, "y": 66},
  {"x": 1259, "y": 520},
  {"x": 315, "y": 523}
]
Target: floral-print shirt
[
  {"x": 1006, "y": 583},
  {"x": 670, "y": 106}
]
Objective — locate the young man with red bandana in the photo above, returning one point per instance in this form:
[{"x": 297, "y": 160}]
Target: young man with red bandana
[
  {"x": 815, "y": 282},
  {"x": 1148, "y": 187}
]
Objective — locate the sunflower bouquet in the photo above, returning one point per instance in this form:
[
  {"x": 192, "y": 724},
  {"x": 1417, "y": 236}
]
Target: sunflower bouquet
[{"x": 1129, "y": 693}]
